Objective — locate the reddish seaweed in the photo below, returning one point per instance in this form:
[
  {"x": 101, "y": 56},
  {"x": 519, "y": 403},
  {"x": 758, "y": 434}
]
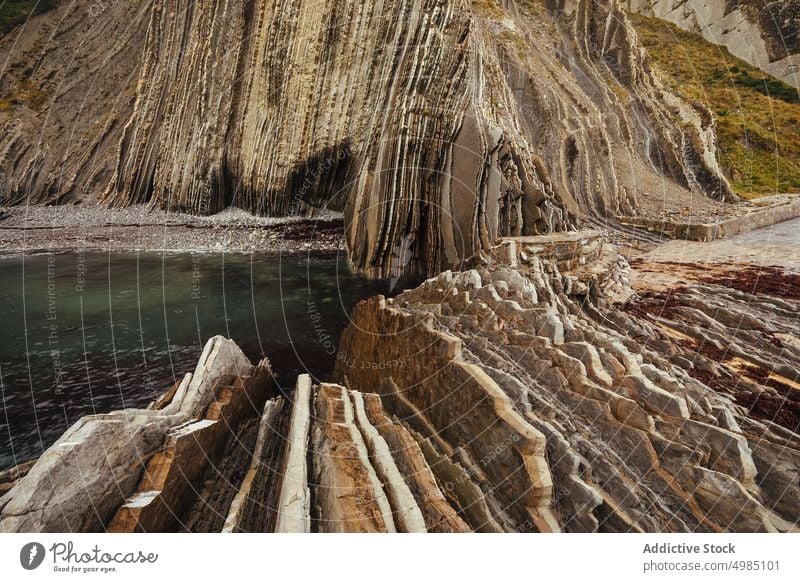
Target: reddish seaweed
[
  {"x": 756, "y": 280},
  {"x": 769, "y": 406},
  {"x": 655, "y": 304}
]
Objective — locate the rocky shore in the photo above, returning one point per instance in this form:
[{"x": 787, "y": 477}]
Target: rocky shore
[
  {"x": 29, "y": 229},
  {"x": 722, "y": 221},
  {"x": 532, "y": 392}
]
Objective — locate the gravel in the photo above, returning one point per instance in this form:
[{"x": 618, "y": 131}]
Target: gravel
[{"x": 31, "y": 229}]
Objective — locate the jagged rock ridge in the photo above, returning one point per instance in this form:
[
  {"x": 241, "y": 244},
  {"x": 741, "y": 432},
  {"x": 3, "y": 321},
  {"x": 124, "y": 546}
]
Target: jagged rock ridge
[
  {"x": 235, "y": 457},
  {"x": 438, "y": 125},
  {"x": 591, "y": 417}
]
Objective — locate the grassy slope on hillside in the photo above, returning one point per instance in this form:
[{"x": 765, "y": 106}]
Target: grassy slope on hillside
[
  {"x": 757, "y": 116},
  {"x": 14, "y": 12}
]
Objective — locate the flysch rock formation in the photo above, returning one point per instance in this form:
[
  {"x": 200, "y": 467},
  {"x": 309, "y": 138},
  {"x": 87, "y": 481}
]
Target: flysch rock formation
[
  {"x": 437, "y": 125},
  {"x": 765, "y": 33},
  {"x": 237, "y": 458},
  {"x": 530, "y": 393},
  {"x": 80, "y": 481},
  {"x": 571, "y": 414}
]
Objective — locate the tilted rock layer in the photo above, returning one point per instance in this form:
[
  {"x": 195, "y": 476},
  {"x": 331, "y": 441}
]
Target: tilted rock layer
[
  {"x": 438, "y": 125},
  {"x": 571, "y": 415},
  {"x": 78, "y": 483},
  {"x": 528, "y": 394}
]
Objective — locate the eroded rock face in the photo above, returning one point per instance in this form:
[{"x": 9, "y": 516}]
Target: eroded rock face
[
  {"x": 764, "y": 33},
  {"x": 438, "y": 125},
  {"x": 620, "y": 423},
  {"x": 195, "y": 463}
]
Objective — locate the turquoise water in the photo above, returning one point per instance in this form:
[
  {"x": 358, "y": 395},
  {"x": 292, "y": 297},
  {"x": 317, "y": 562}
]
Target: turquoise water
[{"x": 87, "y": 333}]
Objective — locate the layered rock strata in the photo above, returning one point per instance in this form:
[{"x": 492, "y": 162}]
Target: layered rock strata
[
  {"x": 234, "y": 460},
  {"x": 530, "y": 393},
  {"x": 570, "y": 414},
  {"x": 766, "y": 212},
  {"x": 78, "y": 484},
  {"x": 438, "y": 125}
]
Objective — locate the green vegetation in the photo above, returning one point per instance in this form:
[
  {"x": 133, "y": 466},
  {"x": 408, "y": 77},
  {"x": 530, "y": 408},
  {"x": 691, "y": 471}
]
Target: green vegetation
[
  {"x": 488, "y": 8},
  {"x": 766, "y": 85},
  {"x": 14, "y": 12},
  {"x": 757, "y": 116},
  {"x": 21, "y": 91}
]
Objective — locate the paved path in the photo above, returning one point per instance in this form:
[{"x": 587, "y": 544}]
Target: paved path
[{"x": 676, "y": 262}]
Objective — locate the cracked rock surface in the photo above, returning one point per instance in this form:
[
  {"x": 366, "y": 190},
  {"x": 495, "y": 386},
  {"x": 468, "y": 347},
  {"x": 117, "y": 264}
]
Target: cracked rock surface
[{"x": 574, "y": 415}]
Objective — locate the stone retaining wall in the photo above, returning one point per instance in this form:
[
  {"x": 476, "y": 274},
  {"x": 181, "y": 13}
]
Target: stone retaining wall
[{"x": 759, "y": 217}]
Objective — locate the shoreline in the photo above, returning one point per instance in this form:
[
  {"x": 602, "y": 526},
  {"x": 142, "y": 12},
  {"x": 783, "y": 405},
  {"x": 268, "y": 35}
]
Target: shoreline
[
  {"x": 759, "y": 257},
  {"x": 6, "y": 254},
  {"x": 36, "y": 230},
  {"x": 59, "y": 229}
]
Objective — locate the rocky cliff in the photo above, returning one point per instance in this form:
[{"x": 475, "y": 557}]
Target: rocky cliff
[
  {"x": 764, "y": 33},
  {"x": 437, "y": 125}
]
